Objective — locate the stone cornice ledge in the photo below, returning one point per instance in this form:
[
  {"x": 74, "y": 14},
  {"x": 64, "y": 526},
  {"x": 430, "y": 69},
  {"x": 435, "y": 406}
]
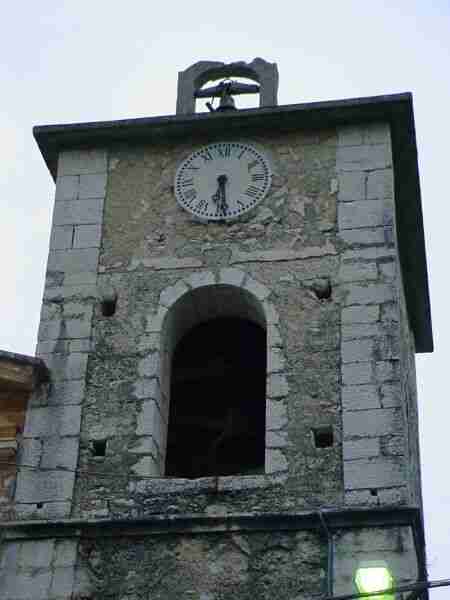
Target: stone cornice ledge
[{"x": 194, "y": 523}]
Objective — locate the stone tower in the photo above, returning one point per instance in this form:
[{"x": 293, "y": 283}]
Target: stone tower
[{"x": 232, "y": 305}]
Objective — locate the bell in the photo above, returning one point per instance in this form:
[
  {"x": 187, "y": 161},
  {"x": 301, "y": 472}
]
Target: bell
[{"x": 226, "y": 102}]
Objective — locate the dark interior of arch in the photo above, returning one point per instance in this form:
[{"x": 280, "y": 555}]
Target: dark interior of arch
[{"x": 217, "y": 404}]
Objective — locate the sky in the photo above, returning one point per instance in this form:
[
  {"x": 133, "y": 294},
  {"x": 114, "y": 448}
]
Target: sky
[{"x": 77, "y": 61}]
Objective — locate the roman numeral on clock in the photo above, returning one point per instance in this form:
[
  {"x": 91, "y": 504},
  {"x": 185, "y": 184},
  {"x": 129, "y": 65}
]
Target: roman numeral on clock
[
  {"x": 206, "y": 155},
  {"x": 224, "y": 151},
  {"x": 187, "y": 182},
  {"x": 252, "y": 191},
  {"x": 258, "y": 177},
  {"x": 190, "y": 194}
]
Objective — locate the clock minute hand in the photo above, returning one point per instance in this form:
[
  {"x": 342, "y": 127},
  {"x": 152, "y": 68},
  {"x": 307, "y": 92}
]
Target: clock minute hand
[{"x": 222, "y": 180}]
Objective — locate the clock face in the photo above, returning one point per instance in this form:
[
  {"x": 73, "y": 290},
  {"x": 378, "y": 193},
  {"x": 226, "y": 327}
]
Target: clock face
[{"x": 222, "y": 180}]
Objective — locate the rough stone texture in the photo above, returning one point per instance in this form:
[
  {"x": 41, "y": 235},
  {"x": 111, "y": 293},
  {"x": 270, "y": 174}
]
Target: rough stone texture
[
  {"x": 54, "y": 419},
  {"x": 214, "y": 567},
  {"x": 393, "y": 547},
  {"x": 315, "y": 265},
  {"x": 38, "y": 569},
  {"x": 376, "y": 349}
]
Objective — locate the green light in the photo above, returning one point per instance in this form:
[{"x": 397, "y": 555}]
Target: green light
[{"x": 374, "y": 579}]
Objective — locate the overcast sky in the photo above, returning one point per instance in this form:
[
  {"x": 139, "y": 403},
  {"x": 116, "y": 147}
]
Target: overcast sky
[{"x": 72, "y": 61}]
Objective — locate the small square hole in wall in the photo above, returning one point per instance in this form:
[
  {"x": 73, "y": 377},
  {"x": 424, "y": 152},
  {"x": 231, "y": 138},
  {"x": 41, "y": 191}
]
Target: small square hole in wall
[
  {"x": 108, "y": 307},
  {"x": 374, "y": 492},
  {"x": 98, "y": 448},
  {"x": 323, "y": 437}
]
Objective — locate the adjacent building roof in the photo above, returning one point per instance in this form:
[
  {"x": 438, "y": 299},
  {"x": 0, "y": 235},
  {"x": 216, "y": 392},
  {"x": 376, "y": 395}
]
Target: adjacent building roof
[{"x": 395, "y": 109}]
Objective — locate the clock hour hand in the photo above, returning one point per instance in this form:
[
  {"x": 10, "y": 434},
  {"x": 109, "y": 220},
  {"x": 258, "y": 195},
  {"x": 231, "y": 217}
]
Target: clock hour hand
[{"x": 220, "y": 196}]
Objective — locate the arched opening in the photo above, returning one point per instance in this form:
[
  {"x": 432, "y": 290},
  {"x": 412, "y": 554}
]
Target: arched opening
[{"x": 217, "y": 399}]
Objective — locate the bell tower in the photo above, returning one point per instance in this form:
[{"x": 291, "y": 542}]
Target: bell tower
[{"x": 230, "y": 318}]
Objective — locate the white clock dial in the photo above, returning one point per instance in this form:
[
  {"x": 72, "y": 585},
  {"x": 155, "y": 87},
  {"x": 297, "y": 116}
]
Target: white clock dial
[{"x": 222, "y": 180}]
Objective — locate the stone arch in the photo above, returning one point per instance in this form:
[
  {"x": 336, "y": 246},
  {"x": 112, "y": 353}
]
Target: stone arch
[
  {"x": 204, "y": 296},
  {"x": 191, "y": 79}
]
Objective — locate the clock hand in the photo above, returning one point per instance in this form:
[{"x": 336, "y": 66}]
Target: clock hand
[
  {"x": 222, "y": 180},
  {"x": 220, "y": 196}
]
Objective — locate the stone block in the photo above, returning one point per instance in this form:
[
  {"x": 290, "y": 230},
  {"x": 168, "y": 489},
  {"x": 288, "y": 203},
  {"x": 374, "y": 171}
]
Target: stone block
[
  {"x": 147, "y": 388},
  {"x": 171, "y": 294},
  {"x": 201, "y": 279},
  {"x": 363, "y": 330},
  {"x": 48, "y": 421},
  {"x": 366, "y": 157},
  {"x": 277, "y": 386},
  {"x": 364, "y": 237},
  {"x": 391, "y": 395},
  {"x": 275, "y": 361},
  {"x": 357, "y": 351},
  {"x": 276, "y": 415},
  {"x": 356, "y": 373},
  {"x": 388, "y": 270},
  {"x": 31, "y": 452},
  {"x": 373, "y": 293},
  {"x": 61, "y": 237},
  {"x": 78, "y": 212},
  {"x": 81, "y": 345},
  {"x": 65, "y": 553},
  {"x": 83, "y": 278},
  {"x": 357, "y": 272},
  {"x": 350, "y": 135},
  {"x": 51, "y": 511},
  {"x": 271, "y": 314},
  {"x": 386, "y": 370},
  {"x": 352, "y": 186},
  {"x": 274, "y": 339},
  {"x": 67, "y": 187},
  {"x": 35, "y": 486},
  {"x": 66, "y": 366},
  {"x": 26, "y": 586},
  {"x": 87, "y": 236},
  {"x": 92, "y": 185},
  {"x": 360, "y": 314},
  {"x": 377, "y": 133},
  {"x": 82, "y": 162},
  {"x": 62, "y": 583},
  {"x": 258, "y": 290},
  {"x": 147, "y": 466},
  {"x": 374, "y": 253},
  {"x": 60, "y": 452},
  {"x": 150, "y": 423},
  {"x": 357, "y": 214},
  {"x": 10, "y": 556},
  {"x": 149, "y": 366},
  {"x": 371, "y": 423},
  {"x": 76, "y": 328},
  {"x": 365, "y": 448},
  {"x": 360, "y": 498},
  {"x": 231, "y": 276},
  {"x": 67, "y": 392},
  {"x": 37, "y": 554},
  {"x": 275, "y": 461},
  {"x": 360, "y": 397},
  {"x": 372, "y": 473},
  {"x": 380, "y": 184},
  {"x": 72, "y": 261},
  {"x": 49, "y": 330},
  {"x": 276, "y": 439}
]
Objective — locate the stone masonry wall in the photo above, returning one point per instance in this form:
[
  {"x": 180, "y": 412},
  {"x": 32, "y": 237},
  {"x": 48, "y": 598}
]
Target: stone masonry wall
[
  {"x": 375, "y": 341},
  {"x": 153, "y": 252},
  {"x": 52, "y": 428},
  {"x": 334, "y": 361}
]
